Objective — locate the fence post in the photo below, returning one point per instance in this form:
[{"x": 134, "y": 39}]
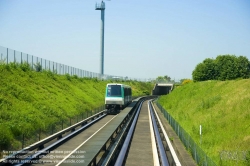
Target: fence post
[
  {"x": 7, "y": 55},
  {"x": 195, "y": 157},
  {"x": 188, "y": 143},
  {"x": 39, "y": 134},
  {"x": 51, "y": 130},
  {"x": 61, "y": 69},
  {"x": 14, "y": 56},
  {"x": 178, "y": 131},
  {"x": 32, "y": 62},
  {"x": 23, "y": 142}
]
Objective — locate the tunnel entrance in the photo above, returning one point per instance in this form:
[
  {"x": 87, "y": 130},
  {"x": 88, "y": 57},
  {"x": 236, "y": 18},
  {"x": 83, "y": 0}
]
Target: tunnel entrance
[{"x": 162, "y": 89}]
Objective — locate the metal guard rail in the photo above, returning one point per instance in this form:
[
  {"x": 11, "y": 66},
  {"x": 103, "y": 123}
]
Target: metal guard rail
[
  {"x": 40, "y": 144},
  {"x": 161, "y": 149}
]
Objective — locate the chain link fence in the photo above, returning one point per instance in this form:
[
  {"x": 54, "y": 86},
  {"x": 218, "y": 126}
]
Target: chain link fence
[
  {"x": 8, "y": 55},
  {"x": 197, "y": 153}
]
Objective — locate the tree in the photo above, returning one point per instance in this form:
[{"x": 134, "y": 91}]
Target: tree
[
  {"x": 163, "y": 79},
  {"x": 167, "y": 78},
  {"x": 205, "y": 71},
  {"x": 199, "y": 73},
  {"x": 160, "y": 79},
  {"x": 243, "y": 66},
  {"x": 224, "y": 67}
]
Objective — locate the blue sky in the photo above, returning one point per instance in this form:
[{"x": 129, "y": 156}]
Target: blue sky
[{"x": 143, "y": 39}]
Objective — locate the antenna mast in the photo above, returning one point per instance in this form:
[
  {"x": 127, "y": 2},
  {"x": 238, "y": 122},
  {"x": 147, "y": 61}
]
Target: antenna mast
[{"x": 101, "y": 6}]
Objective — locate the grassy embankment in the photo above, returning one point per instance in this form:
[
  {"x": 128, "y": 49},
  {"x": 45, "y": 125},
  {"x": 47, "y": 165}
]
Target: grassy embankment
[
  {"x": 223, "y": 110},
  {"x": 32, "y": 100}
]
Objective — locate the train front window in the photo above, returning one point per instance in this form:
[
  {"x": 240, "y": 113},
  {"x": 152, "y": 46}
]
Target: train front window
[{"x": 114, "y": 90}]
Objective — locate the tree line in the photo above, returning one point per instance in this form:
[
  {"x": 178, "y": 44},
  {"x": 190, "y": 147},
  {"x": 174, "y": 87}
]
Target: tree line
[{"x": 224, "y": 67}]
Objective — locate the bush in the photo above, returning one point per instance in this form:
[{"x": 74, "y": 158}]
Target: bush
[
  {"x": 68, "y": 77},
  {"x": 50, "y": 74},
  {"x": 38, "y": 67},
  {"x": 186, "y": 81},
  {"x": 248, "y": 158},
  {"x": 25, "y": 66},
  {"x": 13, "y": 65},
  {"x": 75, "y": 76},
  {"x": 5, "y": 137}
]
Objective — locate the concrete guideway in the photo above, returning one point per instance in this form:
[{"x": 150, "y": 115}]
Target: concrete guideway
[
  {"x": 65, "y": 149},
  {"x": 140, "y": 152},
  {"x": 144, "y": 149},
  {"x": 97, "y": 142}
]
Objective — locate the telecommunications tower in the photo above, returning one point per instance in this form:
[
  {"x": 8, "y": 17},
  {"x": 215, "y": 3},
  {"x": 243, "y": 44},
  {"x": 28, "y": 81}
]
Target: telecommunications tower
[{"x": 101, "y": 6}]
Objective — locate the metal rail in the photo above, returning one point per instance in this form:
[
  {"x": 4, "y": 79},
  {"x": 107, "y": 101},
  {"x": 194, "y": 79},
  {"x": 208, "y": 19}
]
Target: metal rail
[
  {"x": 122, "y": 155},
  {"x": 161, "y": 150},
  {"x": 119, "y": 140},
  {"x": 174, "y": 159},
  {"x": 40, "y": 144},
  {"x": 158, "y": 128}
]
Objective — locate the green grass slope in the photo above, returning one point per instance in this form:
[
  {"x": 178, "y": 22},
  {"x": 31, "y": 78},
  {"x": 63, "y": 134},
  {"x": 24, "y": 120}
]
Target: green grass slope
[
  {"x": 223, "y": 110},
  {"x": 32, "y": 100}
]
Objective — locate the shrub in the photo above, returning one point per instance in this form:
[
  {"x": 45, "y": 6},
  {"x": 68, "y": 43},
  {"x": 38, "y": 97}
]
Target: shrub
[
  {"x": 186, "y": 81},
  {"x": 13, "y": 65},
  {"x": 38, "y": 67},
  {"x": 146, "y": 92},
  {"x": 50, "y": 74},
  {"x": 247, "y": 161},
  {"x": 68, "y": 77},
  {"x": 5, "y": 137},
  {"x": 75, "y": 76},
  {"x": 2, "y": 61},
  {"x": 25, "y": 66}
]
